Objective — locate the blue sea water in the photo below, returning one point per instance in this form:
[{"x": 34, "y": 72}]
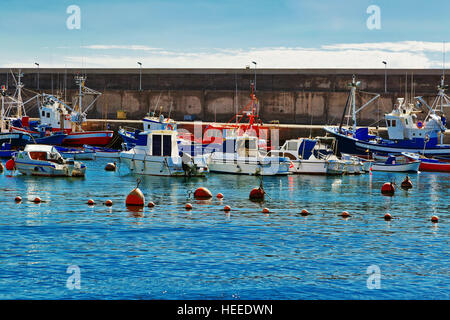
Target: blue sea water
[{"x": 167, "y": 252}]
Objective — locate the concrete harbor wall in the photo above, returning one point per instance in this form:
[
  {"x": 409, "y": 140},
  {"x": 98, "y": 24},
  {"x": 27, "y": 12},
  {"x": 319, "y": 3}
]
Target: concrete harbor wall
[{"x": 290, "y": 96}]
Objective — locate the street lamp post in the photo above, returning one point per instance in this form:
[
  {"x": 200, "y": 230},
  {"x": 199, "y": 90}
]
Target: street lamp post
[
  {"x": 385, "y": 76},
  {"x": 255, "y": 73},
  {"x": 140, "y": 76},
  {"x": 37, "y": 64}
]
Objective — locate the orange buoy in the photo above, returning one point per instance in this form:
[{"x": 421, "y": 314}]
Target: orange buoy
[
  {"x": 202, "y": 193},
  {"x": 110, "y": 166},
  {"x": 135, "y": 198},
  {"x": 256, "y": 194},
  {"x": 37, "y": 200},
  {"x": 151, "y": 204},
  {"x": 406, "y": 184},
  {"x": 387, "y": 217},
  {"x": 227, "y": 208},
  {"x": 388, "y": 189},
  {"x": 108, "y": 203},
  {"x": 345, "y": 214},
  {"x": 10, "y": 164},
  {"x": 18, "y": 199},
  {"x": 1, "y": 167},
  {"x": 304, "y": 212},
  {"x": 188, "y": 206},
  {"x": 90, "y": 202},
  {"x": 434, "y": 219},
  {"x": 220, "y": 196},
  {"x": 266, "y": 210}
]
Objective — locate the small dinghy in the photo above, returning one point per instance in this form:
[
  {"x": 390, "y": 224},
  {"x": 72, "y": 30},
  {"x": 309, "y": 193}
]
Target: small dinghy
[
  {"x": 391, "y": 165},
  {"x": 102, "y": 152},
  {"x": 44, "y": 160},
  {"x": 430, "y": 164},
  {"x": 76, "y": 153}
]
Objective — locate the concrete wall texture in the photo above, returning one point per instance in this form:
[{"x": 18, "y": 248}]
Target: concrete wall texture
[{"x": 294, "y": 96}]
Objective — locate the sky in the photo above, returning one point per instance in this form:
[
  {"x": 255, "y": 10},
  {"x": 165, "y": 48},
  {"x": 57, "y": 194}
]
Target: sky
[{"x": 225, "y": 34}]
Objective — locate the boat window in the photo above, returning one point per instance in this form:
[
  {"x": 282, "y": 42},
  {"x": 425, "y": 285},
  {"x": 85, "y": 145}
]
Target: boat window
[
  {"x": 394, "y": 123},
  {"x": 156, "y": 145},
  {"x": 406, "y": 121},
  {"x": 37, "y": 155},
  {"x": 292, "y": 145},
  {"x": 167, "y": 145},
  {"x": 43, "y": 113},
  {"x": 250, "y": 144},
  {"x": 48, "y": 114}
]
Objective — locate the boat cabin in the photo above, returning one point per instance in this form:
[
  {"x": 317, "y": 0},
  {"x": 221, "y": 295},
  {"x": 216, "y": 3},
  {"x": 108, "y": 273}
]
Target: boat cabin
[
  {"x": 52, "y": 114},
  {"x": 162, "y": 143},
  {"x": 402, "y": 123}
]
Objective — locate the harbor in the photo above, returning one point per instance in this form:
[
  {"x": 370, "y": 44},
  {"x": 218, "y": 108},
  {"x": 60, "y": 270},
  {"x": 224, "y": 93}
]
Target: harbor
[{"x": 164, "y": 208}]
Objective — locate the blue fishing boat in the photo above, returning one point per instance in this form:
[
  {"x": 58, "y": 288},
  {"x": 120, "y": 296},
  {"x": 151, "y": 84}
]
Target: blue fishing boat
[{"x": 407, "y": 133}]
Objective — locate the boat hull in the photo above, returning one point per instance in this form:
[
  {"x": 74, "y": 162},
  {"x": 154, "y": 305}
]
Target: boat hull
[
  {"x": 403, "y": 167},
  {"x": 224, "y": 163},
  {"x": 309, "y": 167},
  {"x": 350, "y": 145},
  {"x": 94, "y": 138},
  {"x": 40, "y": 168}
]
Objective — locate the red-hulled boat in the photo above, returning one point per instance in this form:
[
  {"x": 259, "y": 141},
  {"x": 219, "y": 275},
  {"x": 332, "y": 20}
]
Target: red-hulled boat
[{"x": 430, "y": 164}]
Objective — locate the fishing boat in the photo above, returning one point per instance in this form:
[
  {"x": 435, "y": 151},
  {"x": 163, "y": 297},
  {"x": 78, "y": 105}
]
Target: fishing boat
[
  {"x": 45, "y": 160},
  {"x": 55, "y": 115},
  {"x": 15, "y": 120},
  {"x": 407, "y": 133},
  {"x": 300, "y": 152},
  {"x": 391, "y": 165},
  {"x": 161, "y": 157},
  {"x": 241, "y": 155}
]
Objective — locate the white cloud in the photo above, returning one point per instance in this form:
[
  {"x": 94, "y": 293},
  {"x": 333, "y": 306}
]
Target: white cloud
[
  {"x": 120, "y": 47},
  {"x": 404, "y": 54}
]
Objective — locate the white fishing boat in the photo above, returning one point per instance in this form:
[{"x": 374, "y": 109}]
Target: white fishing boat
[
  {"x": 391, "y": 165},
  {"x": 45, "y": 160},
  {"x": 300, "y": 153},
  {"x": 161, "y": 157},
  {"x": 241, "y": 155}
]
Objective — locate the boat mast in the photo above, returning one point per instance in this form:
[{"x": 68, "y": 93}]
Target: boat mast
[
  {"x": 353, "y": 94},
  {"x": 2, "y": 121},
  {"x": 19, "y": 94},
  {"x": 79, "y": 80},
  {"x": 442, "y": 88}
]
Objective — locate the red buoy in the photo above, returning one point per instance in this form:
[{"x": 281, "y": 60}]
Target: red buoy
[
  {"x": 266, "y": 210},
  {"x": 188, "y": 206},
  {"x": 257, "y": 194},
  {"x": 151, "y": 204},
  {"x": 345, "y": 214},
  {"x": 220, "y": 196},
  {"x": 110, "y": 166},
  {"x": 135, "y": 198},
  {"x": 10, "y": 164},
  {"x": 108, "y": 203},
  {"x": 406, "y": 183},
  {"x": 227, "y": 208},
  {"x": 202, "y": 193},
  {"x": 18, "y": 199},
  {"x": 304, "y": 212},
  {"x": 434, "y": 219},
  {"x": 388, "y": 189},
  {"x": 90, "y": 202},
  {"x": 387, "y": 217},
  {"x": 37, "y": 200}
]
